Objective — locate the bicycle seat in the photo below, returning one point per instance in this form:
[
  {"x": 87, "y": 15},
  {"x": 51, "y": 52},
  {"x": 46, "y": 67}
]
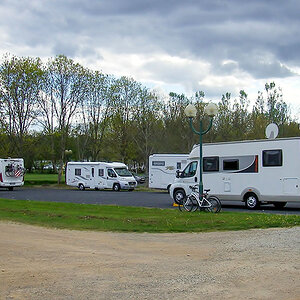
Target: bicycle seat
[{"x": 207, "y": 190}]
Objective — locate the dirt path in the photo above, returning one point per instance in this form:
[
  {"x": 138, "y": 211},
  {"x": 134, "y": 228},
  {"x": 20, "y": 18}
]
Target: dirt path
[{"x": 39, "y": 263}]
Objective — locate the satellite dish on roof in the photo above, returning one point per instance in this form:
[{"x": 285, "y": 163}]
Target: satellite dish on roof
[{"x": 272, "y": 131}]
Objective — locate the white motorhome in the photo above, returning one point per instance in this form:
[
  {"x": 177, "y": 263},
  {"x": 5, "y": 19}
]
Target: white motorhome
[
  {"x": 256, "y": 172},
  {"x": 11, "y": 172},
  {"x": 163, "y": 167},
  {"x": 99, "y": 175}
]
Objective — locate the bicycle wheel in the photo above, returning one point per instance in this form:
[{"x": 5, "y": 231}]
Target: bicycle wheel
[
  {"x": 187, "y": 204},
  {"x": 180, "y": 204},
  {"x": 195, "y": 203},
  {"x": 215, "y": 204}
]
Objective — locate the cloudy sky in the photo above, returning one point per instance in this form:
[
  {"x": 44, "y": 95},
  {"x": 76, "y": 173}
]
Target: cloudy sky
[{"x": 216, "y": 46}]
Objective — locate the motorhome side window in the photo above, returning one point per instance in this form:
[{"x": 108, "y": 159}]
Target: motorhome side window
[
  {"x": 111, "y": 173},
  {"x": 78, "y": 172},
  {"x": 159, "y": 163},
  {"x": 190, "y": 169},
  {"x": 101, "y": 172},
  {"x": 178, "y": 166},
  {"x": 272, "y": 158},
  {"x": 211, "y": 164},
  {"x": 230, "y": 164}
]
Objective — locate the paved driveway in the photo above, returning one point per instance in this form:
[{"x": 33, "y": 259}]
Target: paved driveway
[{"x": 124, "y": 198}]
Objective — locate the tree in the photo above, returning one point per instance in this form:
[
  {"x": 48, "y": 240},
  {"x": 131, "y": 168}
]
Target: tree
[
  {"x": 95, "y": 111},
  {"x": 67, "y": 87},
  {"x": 277, "y": 109},
  {"x": 223, "y": 125},
  {"x": 177, "y": 135},
  {"x": 125, "y": 98},
  {"x": 240, "y": 119},
  {"x": 20, "y": 84},
  {"x": 269, "y": 108},
  {"x": 147, "y": 125}
]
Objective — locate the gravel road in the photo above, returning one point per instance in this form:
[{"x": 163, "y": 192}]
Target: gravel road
[{"x": 41, "y": 263}]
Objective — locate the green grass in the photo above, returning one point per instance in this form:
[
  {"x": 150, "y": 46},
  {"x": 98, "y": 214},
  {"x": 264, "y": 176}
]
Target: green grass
[
  {"x": 41, "y": 179},
  {"x": 133, "y": 219}
]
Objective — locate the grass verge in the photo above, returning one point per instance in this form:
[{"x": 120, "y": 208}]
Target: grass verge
[
  {"x": 41, "y": 179},
  {"x": 134, "y": 219}
]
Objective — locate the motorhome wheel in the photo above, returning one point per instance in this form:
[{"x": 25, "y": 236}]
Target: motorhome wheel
[
  {"x": 179, "y": 195},
  {"x": 251, "y": 201},
  {"x": 116, "y": 187},
  {"x": 81, "y": 187}
]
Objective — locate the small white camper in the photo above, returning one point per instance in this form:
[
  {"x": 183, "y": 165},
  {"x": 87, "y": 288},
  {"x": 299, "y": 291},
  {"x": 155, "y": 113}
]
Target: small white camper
[
  {"x": 99, "y": 175},
  {"x": 11, "y": 172},
  {"x": 256, "y": 172},
  {"x": 163, "y": 167}
]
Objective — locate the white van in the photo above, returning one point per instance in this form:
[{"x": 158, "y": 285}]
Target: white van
[
  {"x": 163, "y": 167},
  {"x": 256, "y": 172},
  {"x": 99, "y": 175},
  {"x": 11, "y": 172}
]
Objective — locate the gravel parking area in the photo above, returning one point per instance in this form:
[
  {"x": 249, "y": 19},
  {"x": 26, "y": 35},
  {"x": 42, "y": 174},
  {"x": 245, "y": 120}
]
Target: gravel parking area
[{"x": 41, "y": 263}]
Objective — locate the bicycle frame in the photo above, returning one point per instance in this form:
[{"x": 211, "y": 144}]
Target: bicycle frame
[
  {"x": 203, "y": 199},
  {"x": 211, "y": 203}
]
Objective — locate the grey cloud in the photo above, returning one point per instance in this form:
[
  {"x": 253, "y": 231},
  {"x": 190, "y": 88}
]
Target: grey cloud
[
  {"x": 209, "y": 30},
  {"x": 261, "y": 69}
]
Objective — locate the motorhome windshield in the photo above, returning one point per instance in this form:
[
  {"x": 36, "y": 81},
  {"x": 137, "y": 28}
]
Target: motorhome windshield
[{"x": 123, "y": 172}]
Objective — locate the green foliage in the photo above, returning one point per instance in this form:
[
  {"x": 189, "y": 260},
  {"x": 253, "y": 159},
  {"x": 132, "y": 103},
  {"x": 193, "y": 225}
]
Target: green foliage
[
  {"x": 46, "y": 109},
  {"x": 20, "y": 84}
]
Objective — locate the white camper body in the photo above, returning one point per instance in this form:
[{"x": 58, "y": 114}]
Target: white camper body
[
  {"x": 257, "y": 172},
  {"x": 11, "y": 172},
  {"x": 163, "y": 167},
  {"x": 99, "y": 175}
]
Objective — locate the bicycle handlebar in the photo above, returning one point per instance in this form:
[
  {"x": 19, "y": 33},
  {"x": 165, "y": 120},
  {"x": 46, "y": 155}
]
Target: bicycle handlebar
[{"x": 195, "y": 187}]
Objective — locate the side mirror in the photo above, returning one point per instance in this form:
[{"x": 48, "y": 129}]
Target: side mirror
[{"x": 177, "y": 173}]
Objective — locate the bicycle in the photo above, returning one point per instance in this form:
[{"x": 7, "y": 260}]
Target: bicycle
[{"x": 208, "y": 203}]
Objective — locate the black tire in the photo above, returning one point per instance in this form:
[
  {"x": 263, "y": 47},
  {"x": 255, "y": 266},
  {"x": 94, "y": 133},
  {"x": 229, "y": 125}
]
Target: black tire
[
  {"x": 116, "y": 187},
  {"x": 279, "y": 204},
  {"x": 251, "y": 201},
  {"x": 178, "y": 196},
  {"x": 215, "y": 204},
  {"x": 195, "y": 204},
  {"x": 81, "y": 187},
  {"x": 189, "y": 204}
]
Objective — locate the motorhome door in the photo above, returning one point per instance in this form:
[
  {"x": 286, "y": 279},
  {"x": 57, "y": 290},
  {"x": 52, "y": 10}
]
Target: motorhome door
[
  {"x": 101, "y": 178},
  {"x": 110, "y": 178},
  {"x": 189, "y": 174},
  {"x": 92, "y": 178}
]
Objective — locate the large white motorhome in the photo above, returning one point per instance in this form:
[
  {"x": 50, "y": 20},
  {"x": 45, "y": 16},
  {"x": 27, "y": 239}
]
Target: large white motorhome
[
  {"x": 11, "y": 172},
  {"x": 99, "y": 175},
  {"x": 256, "y": 172},
  {"x": 163, "y": 167}
]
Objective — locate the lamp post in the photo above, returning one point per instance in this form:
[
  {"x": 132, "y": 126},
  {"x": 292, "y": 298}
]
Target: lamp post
[{"x": 190, "y": 111}]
